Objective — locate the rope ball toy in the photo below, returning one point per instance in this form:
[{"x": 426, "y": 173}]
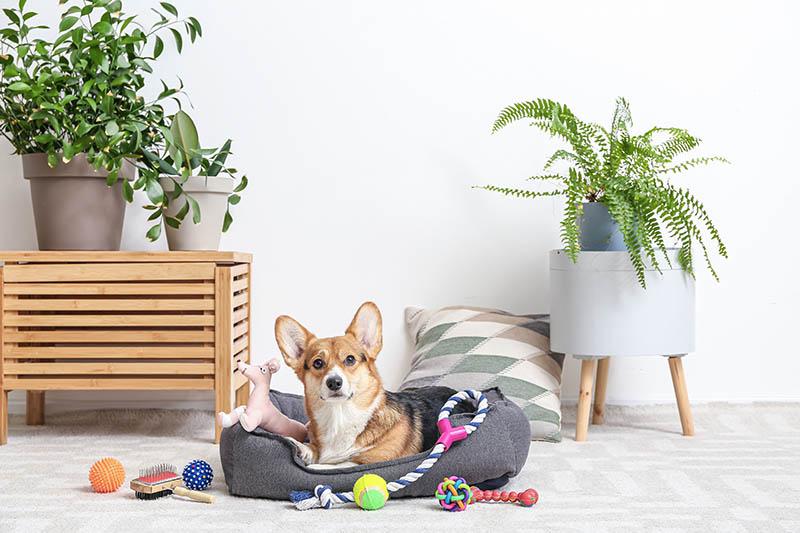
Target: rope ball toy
[
  {"x": 454, "y": 494},
  {"x": 197, "y": 475},
  {"x": 106, "y": 475},
  {"x": 324, "y": 497}
]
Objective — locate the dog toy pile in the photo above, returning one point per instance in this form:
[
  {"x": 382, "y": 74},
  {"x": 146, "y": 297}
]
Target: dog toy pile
[
  {"x": 197, "y": 475},
  {"x": 455, "y": 494},
  {"x": 162, "y": 480},
  {"x": 106, "y": 475},
  {"x": 323, "y": 495}
]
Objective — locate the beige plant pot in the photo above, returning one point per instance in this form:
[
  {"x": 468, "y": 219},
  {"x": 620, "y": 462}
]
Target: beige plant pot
[
  {"x": 73, "y": 207},
  {"x": 211, "y": 194}
]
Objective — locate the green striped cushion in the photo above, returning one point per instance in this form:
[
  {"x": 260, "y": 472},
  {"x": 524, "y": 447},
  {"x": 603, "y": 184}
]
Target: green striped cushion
[{"x": 471, "y": 347}]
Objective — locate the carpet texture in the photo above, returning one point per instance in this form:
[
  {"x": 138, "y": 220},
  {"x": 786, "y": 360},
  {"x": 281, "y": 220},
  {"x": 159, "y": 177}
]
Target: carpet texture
[{"x": 636, "y": 473}]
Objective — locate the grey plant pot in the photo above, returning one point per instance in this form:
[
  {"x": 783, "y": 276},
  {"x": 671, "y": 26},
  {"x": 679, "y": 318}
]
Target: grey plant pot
[
  {"x": 599, "y": 232},
  {"x": 211, "y": 194},
  {"x": 73, "y": 207}
]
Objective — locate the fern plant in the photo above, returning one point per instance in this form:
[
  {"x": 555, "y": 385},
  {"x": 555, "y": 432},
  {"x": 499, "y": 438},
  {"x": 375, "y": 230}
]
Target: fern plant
[{"x": 629, "y": 174}]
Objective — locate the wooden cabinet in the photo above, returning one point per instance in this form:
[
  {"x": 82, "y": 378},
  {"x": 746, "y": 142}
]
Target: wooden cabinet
[{"x": 123, "y": 321}]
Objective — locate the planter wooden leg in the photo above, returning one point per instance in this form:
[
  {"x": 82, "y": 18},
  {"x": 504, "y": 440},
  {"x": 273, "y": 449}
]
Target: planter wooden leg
[
  {"x": 600, "y": 387},
  {"x": 3, "y": 417},
  {"x": 681, "y": 395},
  {"x": 584, "y": 400},
  {"x": 34, "y": 408}
]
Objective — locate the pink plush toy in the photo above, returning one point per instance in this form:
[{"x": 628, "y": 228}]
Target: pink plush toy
[{"x": 260, "y": 412}]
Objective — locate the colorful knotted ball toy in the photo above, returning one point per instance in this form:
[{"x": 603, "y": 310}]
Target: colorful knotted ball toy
[
  {"x": 106, "y": 475},
  {"x": 197, "y": 475},
  {"x": 454, "y": 494},
  {"x": 370, "y": 492}
]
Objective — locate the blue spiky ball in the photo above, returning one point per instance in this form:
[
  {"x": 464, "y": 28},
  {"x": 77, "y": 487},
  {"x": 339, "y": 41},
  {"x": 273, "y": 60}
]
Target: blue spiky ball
[{"x": 198, "y": 475}]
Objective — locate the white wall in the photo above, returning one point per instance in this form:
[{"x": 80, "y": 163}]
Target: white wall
[{"x": 362, "y": 125}]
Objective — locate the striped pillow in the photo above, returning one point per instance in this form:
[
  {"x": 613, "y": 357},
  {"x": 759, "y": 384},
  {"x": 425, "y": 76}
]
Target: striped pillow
[{"x": 471, "y": 347}]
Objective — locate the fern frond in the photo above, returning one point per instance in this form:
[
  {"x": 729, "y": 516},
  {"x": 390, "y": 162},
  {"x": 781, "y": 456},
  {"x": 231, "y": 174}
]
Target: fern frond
[
  {"x": 519, "y": 193},
  {"x": 560, "y": 155},
  {"x": 695, "y": 162},
  {"x": 545, "y": 177},
  {"x": 540, "y": 108}
]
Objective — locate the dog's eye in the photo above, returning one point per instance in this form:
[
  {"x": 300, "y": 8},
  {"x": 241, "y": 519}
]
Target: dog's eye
[
  {"x": 349, "y": 360},
  {"x": 263, "y": 370},
  {"x": 318, "y": 363}
]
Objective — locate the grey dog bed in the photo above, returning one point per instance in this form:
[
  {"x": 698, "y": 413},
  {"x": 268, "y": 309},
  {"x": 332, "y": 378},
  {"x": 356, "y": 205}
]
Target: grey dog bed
[{"x": 264, "y": 465}]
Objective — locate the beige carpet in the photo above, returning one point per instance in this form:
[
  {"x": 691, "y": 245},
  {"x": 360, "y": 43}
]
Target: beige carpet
[{"x": 740, "y": 473}]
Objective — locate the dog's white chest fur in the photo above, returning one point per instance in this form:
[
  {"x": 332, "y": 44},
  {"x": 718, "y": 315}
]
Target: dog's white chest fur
[{"x": 338, "y": 426}]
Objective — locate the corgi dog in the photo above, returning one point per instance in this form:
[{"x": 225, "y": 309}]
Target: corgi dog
[{"x": 352, "y": 419}]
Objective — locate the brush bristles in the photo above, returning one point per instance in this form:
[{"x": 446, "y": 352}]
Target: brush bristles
[
  {"x": 156, "y": 470},
  {"x": 154, "y": 495}
]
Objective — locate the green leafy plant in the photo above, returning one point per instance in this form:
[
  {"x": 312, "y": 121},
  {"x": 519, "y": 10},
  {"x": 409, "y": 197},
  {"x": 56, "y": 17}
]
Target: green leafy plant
[
  {"x": 184, "y": 157},
  {"x": 626, "y": 172},
  {"x": 82, "y": 91}
]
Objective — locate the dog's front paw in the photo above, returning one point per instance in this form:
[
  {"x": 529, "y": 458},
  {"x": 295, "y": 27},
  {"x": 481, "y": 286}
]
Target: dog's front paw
[{"x": 304, "y": 451}]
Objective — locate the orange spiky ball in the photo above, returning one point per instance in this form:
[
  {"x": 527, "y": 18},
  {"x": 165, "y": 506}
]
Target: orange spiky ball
[{"x": 107, "y": 475}]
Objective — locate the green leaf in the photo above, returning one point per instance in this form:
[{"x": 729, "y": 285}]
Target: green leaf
[
  {"x": 66, "y": 23},
  {"x": 184, "y": 135},
  {"x": 181, "y": 214},
  {"x": 127, "y": 191},
  {"x": 242, "y": 185},
  {"x": 12, "y": 15},
  {"x": 114, "y": 7},
  {"x": 87, "y": 87},
  {"x": 170, "y": 8},
  {"x": 219, "y": 160},
  {"x": 154, "y": 233},
  {"x": 234, "y": 199},
  {"x": 158, "y": 47},
  {"x": 175, "y": 223},
  {"x": 226, "y": 223},
  {"x": 122, "y": 61},
  {"x": 103, "y": 28},
  {"x": 197, "y": 27},
  {"x": 154, "y": 191},
  {"x": 112, "y": 177},
  {"x": 178, "y": 39},
  {"x": 196, "y": 217},
  {"x": 112, "y": 128},
  {"x": 19, "y": 86}
]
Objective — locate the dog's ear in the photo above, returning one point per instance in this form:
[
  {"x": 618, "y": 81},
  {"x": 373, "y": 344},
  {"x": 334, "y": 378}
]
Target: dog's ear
[
  {"x": 293, "y": 340},
  {"x": 367, "y": 328}
]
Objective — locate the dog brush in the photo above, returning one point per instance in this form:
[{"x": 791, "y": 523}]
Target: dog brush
[{"x": 162, "y": 480}]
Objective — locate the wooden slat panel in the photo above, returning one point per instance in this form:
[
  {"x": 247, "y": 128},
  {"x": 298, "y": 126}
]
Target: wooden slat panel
[
  {"x": 125, "y": 257},
  {"x": 238, "y": 380},
  {"x": 223, "y": 391},
  {"x": 110, "y": 352},
  {"x": 240, "y": 299},
  {"x": 114, "y": 383},
  {"x": 109, "y": 272},
  {"x": 239, "y": 270},
  {"x": 240, "y": 345},
  {"x": 108, "y": 320},
  {"x": 240, "y": 285},
  {"x": 91, "y": 289},
  {"x": 103, "y": 304},
  {"x": 240, "y": 329},
  {"x": 242, "y": 356},
  {"x": 241, "y": 314},
  {"x": 3, "y": 407},
  {"x": 92, "y": 367},
  {"x": 109, "y": 336}
]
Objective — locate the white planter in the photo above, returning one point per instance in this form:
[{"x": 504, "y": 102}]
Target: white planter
[
  {"x": 211, "y": 194},
  {"x": 597, "y": 307}
]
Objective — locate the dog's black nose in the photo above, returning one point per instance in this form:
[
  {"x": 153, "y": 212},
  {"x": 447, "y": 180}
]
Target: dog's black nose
[{"x": 334, "y": 383}]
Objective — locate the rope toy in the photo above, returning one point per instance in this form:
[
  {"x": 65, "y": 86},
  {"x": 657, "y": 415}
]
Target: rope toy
[
  {"x": 324, "y": 497},
  {"x": 454, "y": 494}
]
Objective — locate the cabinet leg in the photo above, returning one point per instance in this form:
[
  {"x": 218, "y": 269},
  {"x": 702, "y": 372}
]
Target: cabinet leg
[
  {"x": 584, "y": 400},
  {"x": 3, "y": 417},
  {"x": 600, "y": 387},
  {"x": 34, "y": 408},
  {"x": 242, "y": 395},
  {"x": 681, "y": 395},
  {"x": 223, "y": 403}
]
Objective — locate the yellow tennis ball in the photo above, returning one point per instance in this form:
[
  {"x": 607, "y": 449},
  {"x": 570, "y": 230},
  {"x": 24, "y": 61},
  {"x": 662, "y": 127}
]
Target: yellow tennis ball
[{"x": 370, "y": 492}]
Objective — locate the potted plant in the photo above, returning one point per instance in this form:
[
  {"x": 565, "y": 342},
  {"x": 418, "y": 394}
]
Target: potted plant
[
  {"x": 618, "y": 195},
  {"x": 191, "y": 179},
  {"x": 73, "y": 108}
]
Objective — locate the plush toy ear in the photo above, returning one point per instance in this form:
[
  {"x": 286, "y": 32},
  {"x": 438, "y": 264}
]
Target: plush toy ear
[
  {"x": 367, "y": 328},
  {"x": 293, "y": 340}
]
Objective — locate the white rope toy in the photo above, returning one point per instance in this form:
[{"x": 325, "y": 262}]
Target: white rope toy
[{"x": 324, "y": 497}]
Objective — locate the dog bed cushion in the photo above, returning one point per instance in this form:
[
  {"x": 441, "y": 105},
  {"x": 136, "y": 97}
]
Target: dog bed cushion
[
  {"x": 264, "y": 465},
  {"x": 475, "y": 348}
]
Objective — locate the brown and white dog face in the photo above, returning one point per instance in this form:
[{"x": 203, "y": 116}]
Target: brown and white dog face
[{"x": 335, "y": 369}]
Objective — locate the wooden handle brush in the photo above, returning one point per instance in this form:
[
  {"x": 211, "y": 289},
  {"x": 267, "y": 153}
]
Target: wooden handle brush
[{"x": 162, "y": 480}]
